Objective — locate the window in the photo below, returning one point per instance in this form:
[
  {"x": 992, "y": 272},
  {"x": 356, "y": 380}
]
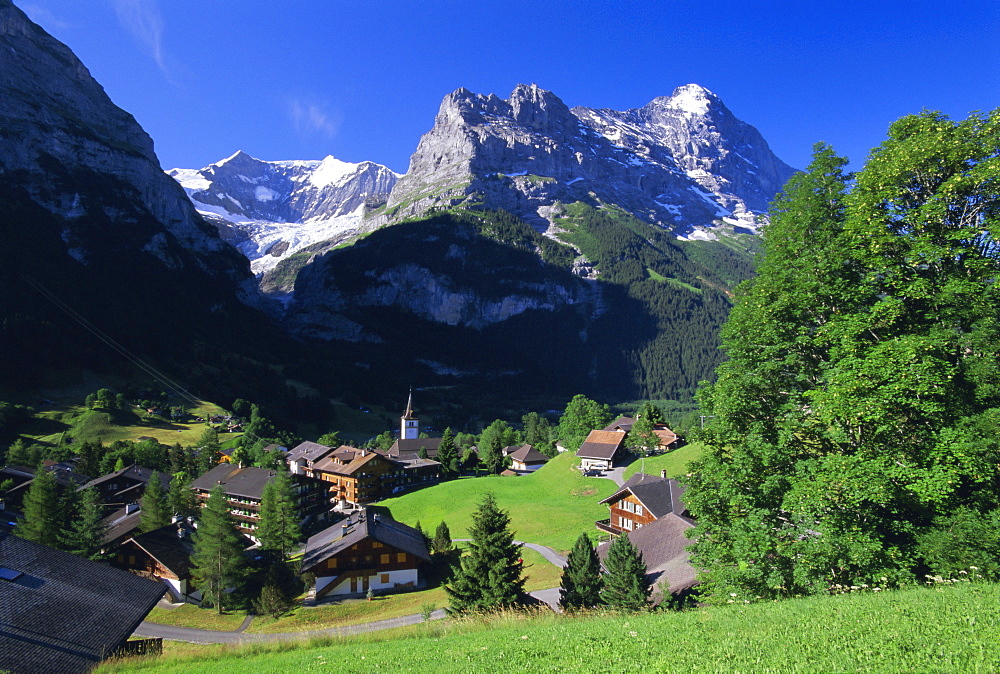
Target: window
[
  {"x": 384, "y": 578},
  {"x": 400, "y": 557},
  {"x": 384, "y": 559},
  {"x": 376, "y": 544},
  {"x": 331, "y": 563},
  {"x": 638, "y": 509}
]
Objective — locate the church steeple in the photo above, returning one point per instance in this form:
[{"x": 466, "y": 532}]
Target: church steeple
[{"x": 409, "y": 425}]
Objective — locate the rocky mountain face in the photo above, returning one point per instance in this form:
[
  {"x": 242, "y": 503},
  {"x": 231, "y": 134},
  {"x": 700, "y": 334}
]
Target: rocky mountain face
[
  {"x": 683, "y": 162},
  {"x": 94, "y": 237},
  {"x": 270, "y": 210}
]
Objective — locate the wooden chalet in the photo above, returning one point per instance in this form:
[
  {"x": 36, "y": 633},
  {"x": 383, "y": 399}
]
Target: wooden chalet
[
  {"x": 651, "y": 512},
  {"x": 601, "y": 450},
  {"x": 367, "y": 551},
  {"x": 124, "y": 487},
  {"x": 244, "y": 489},
  {"x": 411, "y": 447},
  {"x": 163, "y": 555}
]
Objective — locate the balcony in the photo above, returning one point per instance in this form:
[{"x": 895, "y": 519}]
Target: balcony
[{"x": 605, "y": 525}]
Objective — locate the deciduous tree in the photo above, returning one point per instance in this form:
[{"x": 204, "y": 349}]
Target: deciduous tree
[{"x": 582, "y": 416}]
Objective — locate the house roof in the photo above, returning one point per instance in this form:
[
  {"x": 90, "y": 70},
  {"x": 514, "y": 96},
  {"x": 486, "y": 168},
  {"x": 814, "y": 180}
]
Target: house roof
[
  {"x": 527, "y": 454},
  {"x": 601, "y": 445},
  {"x": 662, "y": 544},
  {"x": 413, "y": 446},
  {"x": 659, "y": 495},
  {"x": 358, "y": 527},
  {"x": 120, "y": 524},
  {"x": 137, "y": 473},
  {"x": 310, "y": 451},
  {"x": 248, "y": 482},
  {"x": 620, "y": 424},
  {"x": 65, "y": 613},
  {"x": 168, "y": 547},
  {"x": 329, "y": 465}
]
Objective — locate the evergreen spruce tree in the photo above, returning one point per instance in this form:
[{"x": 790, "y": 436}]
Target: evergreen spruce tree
[
  {"x": 180, "y": 499},
  {"x": 488, "y": 576},
  {"x": 441, "y": 545},
  {"x": 209, "y": 449},
  {"x": 581, "y": 579},
  {"x": 625, "y": 584},
  {"x": 155, "y": 511},
  {"x": 279, "y": 523},
  {"x": 84, "y": 535},
  {"x": 217, "y": 561},
  {"x": 40, "y": 519},
  {"x": 448, "y": 455}
]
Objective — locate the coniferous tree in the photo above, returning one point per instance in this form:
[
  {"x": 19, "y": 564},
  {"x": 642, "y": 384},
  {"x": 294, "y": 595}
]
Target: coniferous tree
[
  {"x": 441, "y": 545},
  {"x": 181, "y": 500},
  {"x": 448, "y": 455},
  {"x": 488, "y": 576},
  {"x": 625, "y": 583},
  {"x": 155, "y": 511},
  {"x": 40, "y": 519},
  {"x": 84, "y": 535},
  {"x": 209, "y": 450},
  {"x": 279, "y": 523},
  {"x": 581, "y": 578},
  {"x": 217, "y": 561}
]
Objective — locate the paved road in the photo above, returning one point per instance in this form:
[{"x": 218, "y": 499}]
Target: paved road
[{"x": 147, "y": 629}]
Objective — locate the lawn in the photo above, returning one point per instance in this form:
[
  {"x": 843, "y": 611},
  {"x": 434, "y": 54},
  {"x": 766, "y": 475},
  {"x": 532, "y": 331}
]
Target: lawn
[
  {"x": 942, "y": 629},
  {"x": 675, "y": 462},
  {"x": 540, "y": 575},
  {"x": 189, "y": 615},
  {"x": 551, "y": 506}
]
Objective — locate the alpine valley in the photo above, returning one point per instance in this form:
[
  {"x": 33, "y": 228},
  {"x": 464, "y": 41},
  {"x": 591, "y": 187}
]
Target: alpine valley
[{"x": 530, "y": 252}]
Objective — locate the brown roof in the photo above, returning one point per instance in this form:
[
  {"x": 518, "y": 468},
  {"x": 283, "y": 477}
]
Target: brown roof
[
  {"x": 527, "y": 455},
  {"x": 331, "y": 465},
  {"x": 601, "y": 445}
]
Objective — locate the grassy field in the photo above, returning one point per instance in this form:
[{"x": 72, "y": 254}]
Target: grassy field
[
  {"x": 941, "y": 629},
  {"x": 189, "y": 615},
  {"x": 550, "y": 507},
  {"x": 56, "y": 423},
  {"x": 540, "y": 575},
  {"x": 675, "y": 462}
]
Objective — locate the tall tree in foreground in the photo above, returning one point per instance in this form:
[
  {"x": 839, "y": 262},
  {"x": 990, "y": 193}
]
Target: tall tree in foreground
[
  {"x": 489, "y": 574},
  {"x": 217, "y": 561},
  {"x": 581, "y": 578},
  {"x": 40, "y": 520},
  {"x": 859, "y": 408},
  {"x": 625, "y": 584},
  {"x": 279, "y": 523}
]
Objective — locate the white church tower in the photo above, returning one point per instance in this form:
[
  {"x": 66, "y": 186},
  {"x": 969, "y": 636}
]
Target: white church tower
[{"x": 409, "y": 426}]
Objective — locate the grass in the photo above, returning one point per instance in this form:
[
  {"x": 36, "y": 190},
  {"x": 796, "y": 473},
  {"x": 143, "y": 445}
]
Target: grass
[
  {"x": 550, "y": 507},
  {"x": 540, "y": 573},
  {"x": 189, "y": 615},
  {"x": 674, "y": 462},
  {"x": 941, "y": 629}
]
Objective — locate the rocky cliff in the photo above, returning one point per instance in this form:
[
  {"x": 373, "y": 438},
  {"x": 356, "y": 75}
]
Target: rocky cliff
[{"x": 683, "y": 162}]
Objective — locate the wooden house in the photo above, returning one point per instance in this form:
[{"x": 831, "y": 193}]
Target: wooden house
[
  {"x": 525, "y": 459},
  {"x": 640, "y": 501},
  {"x": 361, "y": 476},
  {"x": 164, "y": 555},
  {"x": 124, "y": 487},
  {"x": 365, "y": 552},
  {"x": 601, "y": 450}
]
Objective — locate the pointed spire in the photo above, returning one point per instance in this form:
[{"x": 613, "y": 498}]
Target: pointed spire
[{"x": 408, "y": 414}]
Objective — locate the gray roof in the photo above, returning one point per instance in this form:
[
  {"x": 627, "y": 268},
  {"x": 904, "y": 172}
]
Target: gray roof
[
  {"x": 659, "y": 495},
  {"x": 358, "y": 527},
  {"x": 248, "y": 482},
  {"x": 170, "y": 549},
  {"x": 310, "y": 451},
  {"x": 624, "y": 423},
  {"x": 413, "y": 446},
  {"x": 662, "y": 544},
  {"x": 140, "y": 474},
  {"x": 527, "y": 454},
  {"x": 65, "y": 613}
]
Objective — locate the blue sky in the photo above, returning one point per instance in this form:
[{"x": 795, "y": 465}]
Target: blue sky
[{"x": 362, "y": 80}]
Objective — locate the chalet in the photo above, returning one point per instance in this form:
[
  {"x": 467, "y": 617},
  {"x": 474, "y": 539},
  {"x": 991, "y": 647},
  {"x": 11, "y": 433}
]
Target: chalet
[
  {"x": 63, "y": 613},
  {"x": 651, "y": 512},
  {"x": 362, "y": 476},
  {"x": 21, "y": 478},
  {"x": 120, "y": 525},
  {"x": 601, "y": 449},
  {"x": 124, "y": 487},
  {"x": 163, "y": 555},
  {"x": 367, "y": 551},
  {"x": 244, "y": 489},
  {"x": 525, "y": 458},
  {"x": 641, "y": 500}
]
